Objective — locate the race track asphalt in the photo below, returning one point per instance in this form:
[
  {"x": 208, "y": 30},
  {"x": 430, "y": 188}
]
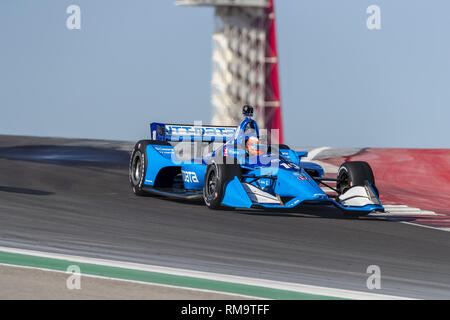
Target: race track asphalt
[{"x": 73, "y": 197}]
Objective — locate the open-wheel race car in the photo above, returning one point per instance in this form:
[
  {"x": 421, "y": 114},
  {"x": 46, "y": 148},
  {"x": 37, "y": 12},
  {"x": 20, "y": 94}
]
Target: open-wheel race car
[{"x": 232, "y": 167}]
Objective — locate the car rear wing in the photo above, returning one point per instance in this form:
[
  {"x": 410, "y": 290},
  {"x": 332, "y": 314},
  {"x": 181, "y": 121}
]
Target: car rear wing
[{"x": 181, "y": 132}]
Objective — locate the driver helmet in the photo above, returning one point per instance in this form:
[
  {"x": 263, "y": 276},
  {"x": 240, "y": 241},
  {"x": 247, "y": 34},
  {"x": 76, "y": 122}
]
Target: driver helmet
[{"x": 254, "y": 146}]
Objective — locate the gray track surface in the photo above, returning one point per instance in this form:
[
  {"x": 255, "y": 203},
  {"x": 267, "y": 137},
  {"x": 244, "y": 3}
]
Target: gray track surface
[{"x": 53, "y": 200}]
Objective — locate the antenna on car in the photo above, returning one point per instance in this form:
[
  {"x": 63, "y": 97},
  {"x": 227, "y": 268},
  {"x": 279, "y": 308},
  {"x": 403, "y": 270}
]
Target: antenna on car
[{"x": 247, "y": 111}]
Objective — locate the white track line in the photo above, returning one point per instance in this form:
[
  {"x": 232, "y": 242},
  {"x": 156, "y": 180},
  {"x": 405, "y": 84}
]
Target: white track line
[
  {"x": 393, "y": 206},
  {"x": 396, "y": 214},
  {"x": 314, "y": 153},
  {"x": 401, "y": 209},
  {"x": 425, "y": 226},
  {"x": 329, "y": 168},
  {"x": 307, "y": 289}
]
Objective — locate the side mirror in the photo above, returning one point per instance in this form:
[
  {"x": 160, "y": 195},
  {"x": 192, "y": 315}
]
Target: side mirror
[{"x": 301, "y": 154}]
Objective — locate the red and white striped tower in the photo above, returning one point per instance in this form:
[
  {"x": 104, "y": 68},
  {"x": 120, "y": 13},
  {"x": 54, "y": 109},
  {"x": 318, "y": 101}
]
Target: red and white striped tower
[{"x": 245, "y": 61}]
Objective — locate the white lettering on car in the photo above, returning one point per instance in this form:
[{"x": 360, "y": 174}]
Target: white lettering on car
[{"x": 189, "y": 176}]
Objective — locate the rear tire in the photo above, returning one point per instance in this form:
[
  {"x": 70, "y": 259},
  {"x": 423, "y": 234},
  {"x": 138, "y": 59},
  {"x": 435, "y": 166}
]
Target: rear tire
[
  {"x": 216, "y": 178},
  {"x": 138, "y": 167},
  {"x": 354, "y": 173}
]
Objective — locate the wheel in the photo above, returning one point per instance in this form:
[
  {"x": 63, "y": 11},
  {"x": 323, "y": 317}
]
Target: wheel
[
  {"x": 354, "y": 173},
  {"x": 216, "y": 178},
  {"x": 138, "y": 167}
]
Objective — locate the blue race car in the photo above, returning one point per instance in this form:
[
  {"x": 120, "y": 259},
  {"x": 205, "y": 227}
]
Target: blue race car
[{"x": 231, "y": 167}]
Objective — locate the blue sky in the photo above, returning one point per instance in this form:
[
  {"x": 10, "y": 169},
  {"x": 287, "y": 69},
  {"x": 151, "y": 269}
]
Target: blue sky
[{"x": 139, "y": 61}]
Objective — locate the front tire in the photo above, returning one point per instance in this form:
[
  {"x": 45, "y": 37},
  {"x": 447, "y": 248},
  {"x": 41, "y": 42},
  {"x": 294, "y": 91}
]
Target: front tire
[
  {"x": 354, "y": 173},
  {"x": 216, "y": 178}
]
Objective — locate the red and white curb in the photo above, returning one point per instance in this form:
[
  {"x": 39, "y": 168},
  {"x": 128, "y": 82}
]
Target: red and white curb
[{"x": 391, "y": 210}]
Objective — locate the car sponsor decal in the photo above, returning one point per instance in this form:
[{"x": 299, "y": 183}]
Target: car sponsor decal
[
  {"x": 199, "y": 131},
  {"x": 164, "y": 150},
  {"x": 189, "y": 176}
]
